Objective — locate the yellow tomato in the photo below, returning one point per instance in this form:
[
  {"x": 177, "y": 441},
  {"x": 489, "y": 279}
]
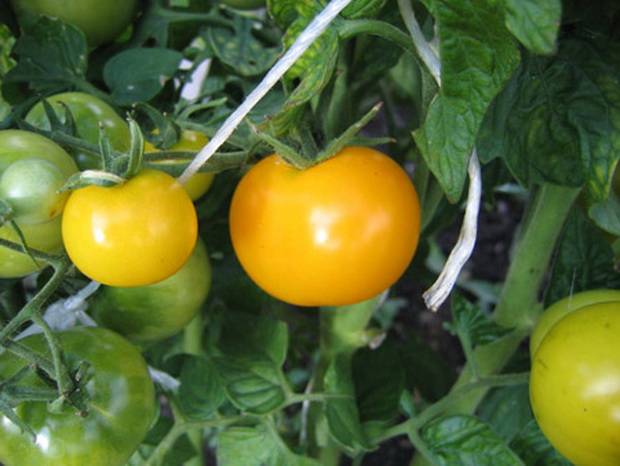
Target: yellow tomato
[
  {"x": 192, "y": 141},
  {"x": 334, "y": 234},
  {"x": 575, "y": 385},
  {"x": 562, "y": 308},
  {"x": 132, "y": 234}
]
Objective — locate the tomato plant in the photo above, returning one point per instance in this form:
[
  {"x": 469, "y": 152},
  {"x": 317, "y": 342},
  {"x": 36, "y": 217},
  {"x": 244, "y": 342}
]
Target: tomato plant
[
  {"x": 136, "y": 233},
  {"x": 120, "y": 406},
  {"x": 153, "y": 312},
  {"x": 310, "y": 240},
  {"x": 199, "y": 184},
  {"x": 574, "y": 384},
  {"x": 100, "y": 22},
  {"x": 90, "y": 114},
  {"x": 452, "y": 156}
]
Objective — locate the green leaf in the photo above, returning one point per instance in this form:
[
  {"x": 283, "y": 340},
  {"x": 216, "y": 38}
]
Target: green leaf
[
  {"x": 342, "y": 414},
  {"x": 584, "y": 261},
  {"x": 535, "y": 23},
  {"x": 506, "y": 410},
  {"x": 284, "y": 12},
  {"x": 51, "y": 55},
  {"x": 177, "y": 455},
  {"x": 558, "y": 120},
  {"x": 379, "y": 380},
  {"x": 240, "y": 50},
  {"x": 478, "y": 55},
  {"x": 534, "y": 449},
  {"x": 464, "y": 440},
  {"x": 256, "y": 446},
  {"x": 425, "y": 369},
  {"x": 201, "y": 392},
  {"x": 363, "y": 8},
  {"x": 472, "y": 325},
  {"x": 315, "y": 69},
  {"x": 606, "y": 214},
  {"x": 139, "y": 74}
]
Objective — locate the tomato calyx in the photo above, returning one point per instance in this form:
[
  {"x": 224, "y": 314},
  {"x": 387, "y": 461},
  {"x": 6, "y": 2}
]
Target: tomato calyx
[{"x": 307, "y": 155}]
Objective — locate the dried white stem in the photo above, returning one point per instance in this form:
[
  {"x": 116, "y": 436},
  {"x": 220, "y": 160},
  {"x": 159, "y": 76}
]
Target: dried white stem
[
  {"x": 424, "y": 49},
  {"x": 303, "y": 42},
  {"x": 439, "y": 292}
]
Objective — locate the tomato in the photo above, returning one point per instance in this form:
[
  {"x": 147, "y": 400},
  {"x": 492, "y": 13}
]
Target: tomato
[
  {"x": 192, "y": 141},
  {"x": 100, "y": 21},
  {"x": 244, "y": 4},
  {"x": 154, "y": 312},
  {"x": 121, "y": 406},
  {"x": 31, "y": 170},
  {"x": 132, "y": 234},
  {"x": 553, "y": 314},
  {"x": 334, "y": 234},
  {"x": 89, "y": 113},
  {"x": 575, "y": 385}
]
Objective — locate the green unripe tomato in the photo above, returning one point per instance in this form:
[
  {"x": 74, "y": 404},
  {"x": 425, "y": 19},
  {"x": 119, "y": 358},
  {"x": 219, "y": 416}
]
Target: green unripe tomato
[
  {"x": 556, "y": 312},
  {"x": 31, "y": 187},
  {"x": 120, "y": 405},
  {"x": 101, "y": 21},
  {"x": 244, "y": 4},
  {"x": 154, "y": 312},
  {"x": 89, "y": 113}
]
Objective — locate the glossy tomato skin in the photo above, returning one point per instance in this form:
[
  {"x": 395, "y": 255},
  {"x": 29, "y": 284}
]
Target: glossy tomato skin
[
  {"x": 100, "y": 21},
  {"x": 121, "y": 406},
  {"x": 575, "y": 385},
  {"x": 334, "y": 234},
  {"x": 198, "y": 185},
  {"x": 244, "y": 4},
  {"x": 89, "y": 113},
  {"x": 154, "y": 312},
  {"x": 132, "y": 234},
  {"x": 556, "y": 312},
  {"x": 39, "y": 220}
]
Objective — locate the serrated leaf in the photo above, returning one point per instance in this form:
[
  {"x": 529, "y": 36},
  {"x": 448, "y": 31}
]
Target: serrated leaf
[
  {"x": 558, "y": 120},
  {"x": 341, "y": 412},
  {"x": 534, "y": 449},
  {"x": 584, "y": 261},
  {"x": 535, "y": 23},
  {"x": 473, "y": 325},
  {"x": 240, "y": 50},
  {"x": 51, "y": 55},
  {"x": 283, "y": 12},
  {"x": 478, "y": 55},
  {"x": 465, "y": 440},
  {"x": 200, "y": 393},
  {"x": 139, "y": 74}
]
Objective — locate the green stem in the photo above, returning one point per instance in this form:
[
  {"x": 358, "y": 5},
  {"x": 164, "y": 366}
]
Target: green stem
[
  {"x": 27, "y": 354},
  {"x": 61, "y": 266},
  {"x": 192, "y": 344}
]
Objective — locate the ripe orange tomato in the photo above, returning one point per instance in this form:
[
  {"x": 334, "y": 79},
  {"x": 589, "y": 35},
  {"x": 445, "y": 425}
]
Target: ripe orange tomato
[
  {"x": 132, "y": 234},
  {"x": 337, "y": 233}
]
